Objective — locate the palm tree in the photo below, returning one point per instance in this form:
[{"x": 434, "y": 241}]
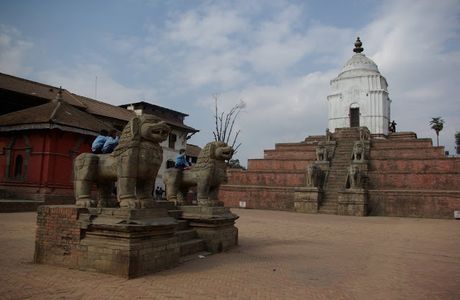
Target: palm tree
[
  {"x": 457, "y": 142},
  {"x": 437, "y": 124}
]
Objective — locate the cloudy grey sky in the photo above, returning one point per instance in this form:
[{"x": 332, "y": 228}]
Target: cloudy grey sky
[{"x": 276, "y": 56}]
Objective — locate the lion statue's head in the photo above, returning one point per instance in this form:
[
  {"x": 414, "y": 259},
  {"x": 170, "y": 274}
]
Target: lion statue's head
[
  {"x": 142, "y": 128},
  {"x": 358, "y": 148},
  {"x": 153, "y": 130},
  {"x": 213, "y": 151}
]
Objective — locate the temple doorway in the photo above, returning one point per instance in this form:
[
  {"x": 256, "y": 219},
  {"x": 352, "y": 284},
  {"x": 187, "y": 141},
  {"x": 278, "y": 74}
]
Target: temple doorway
[{"x": 354, "y": 117}]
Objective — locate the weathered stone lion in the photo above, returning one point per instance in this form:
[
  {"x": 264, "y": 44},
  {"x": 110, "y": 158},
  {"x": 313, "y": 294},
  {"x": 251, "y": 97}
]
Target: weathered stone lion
[
  {"x": 356, "y": 178},
  {"x": 321, "y": 153},
  {"x": 358, "y": 151},
  {"x": 134, "y": 164},
  {"x": 314, "y": 176},
  {"x": 207, "y": 175}
]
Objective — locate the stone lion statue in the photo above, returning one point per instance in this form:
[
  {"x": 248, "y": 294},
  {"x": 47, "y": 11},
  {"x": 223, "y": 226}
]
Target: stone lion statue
[
  {"x": 364, "y": 134},
  {"x": 358, "y": 151},
  {"x": 314, "y": 176},
  {"x": 321, "y": 153},
  {"x": 355, "y": 178},
  {"x": 209, "y": 172},
  {"x": 134, "y": 164}
]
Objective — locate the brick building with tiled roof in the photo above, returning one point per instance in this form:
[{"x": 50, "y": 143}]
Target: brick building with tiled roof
[{"x": 42, "y": 128}]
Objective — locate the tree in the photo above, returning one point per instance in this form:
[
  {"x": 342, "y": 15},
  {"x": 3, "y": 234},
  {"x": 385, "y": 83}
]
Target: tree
[
  {"x": 437, "y": 124},
  {"x": 235, "y": 164},
  {"x": 225, "y": 124},
  {"x": 457, "y": 142}
]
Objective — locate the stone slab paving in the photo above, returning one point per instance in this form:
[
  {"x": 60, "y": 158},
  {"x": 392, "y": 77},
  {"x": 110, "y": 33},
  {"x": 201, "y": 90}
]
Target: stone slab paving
[{"x": 282, "y": 255}]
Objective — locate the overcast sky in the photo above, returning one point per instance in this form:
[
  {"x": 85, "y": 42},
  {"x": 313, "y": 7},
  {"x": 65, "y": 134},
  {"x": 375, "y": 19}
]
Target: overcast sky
[{"x": 276, "y": 56}]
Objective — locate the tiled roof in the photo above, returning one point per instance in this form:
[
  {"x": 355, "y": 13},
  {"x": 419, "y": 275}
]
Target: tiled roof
[
  {"x": 53, "y": 113},
  {"x": 192, "y": 150},
  {"x": 173, "y": 122},
  {"x": 104, "y": 109},
  {"x": 36, "y": 89},
  {"x": 48, "y": 92},
  {"x": 91, "y": 106}
]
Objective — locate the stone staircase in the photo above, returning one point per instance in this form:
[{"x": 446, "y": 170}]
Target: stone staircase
[
  {"x": 190, "y": 245},
  {"x": 338, "y": 171}
]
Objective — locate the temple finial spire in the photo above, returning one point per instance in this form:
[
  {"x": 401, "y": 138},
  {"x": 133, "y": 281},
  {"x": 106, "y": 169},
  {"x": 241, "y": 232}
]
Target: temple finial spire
[{"x": 358, "y": 44}]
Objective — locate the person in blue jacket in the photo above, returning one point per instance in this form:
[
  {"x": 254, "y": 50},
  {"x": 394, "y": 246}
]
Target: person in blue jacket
[
  {"x": 181, "y": 160},
  {"x": 99, "y": 141}
]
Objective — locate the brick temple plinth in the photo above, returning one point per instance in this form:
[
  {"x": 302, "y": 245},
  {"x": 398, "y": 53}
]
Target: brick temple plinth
[
  {"x": 118, "y": 241},
  {"x": 307, "y": 200},
  {"x": 215, "y": 225}
]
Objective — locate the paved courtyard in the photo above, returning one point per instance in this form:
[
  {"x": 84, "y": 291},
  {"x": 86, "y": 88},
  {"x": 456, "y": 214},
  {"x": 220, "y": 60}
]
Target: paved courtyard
[{"x": 282, "y": 255}]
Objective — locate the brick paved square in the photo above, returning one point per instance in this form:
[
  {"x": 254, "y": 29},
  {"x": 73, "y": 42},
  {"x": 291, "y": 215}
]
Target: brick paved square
[{"x": 282, "y": 255}]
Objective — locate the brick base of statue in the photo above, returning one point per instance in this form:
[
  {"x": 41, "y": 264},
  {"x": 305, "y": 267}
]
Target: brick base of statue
[
  {"x": 307, "y": 200},
  {"x": 123, "y": 242},
  {"x": 215, "y": 225},
  {"x": 352, "y": 202}
]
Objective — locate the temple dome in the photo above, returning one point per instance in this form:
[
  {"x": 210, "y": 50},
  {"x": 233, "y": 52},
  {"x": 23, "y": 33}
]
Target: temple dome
[{"x": 359, "y": 62}]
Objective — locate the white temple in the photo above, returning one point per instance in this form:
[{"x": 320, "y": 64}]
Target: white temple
[{"x": 359, "y": 96}]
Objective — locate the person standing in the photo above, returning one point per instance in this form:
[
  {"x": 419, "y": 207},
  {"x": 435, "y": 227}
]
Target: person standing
[{"x": 159, "y": 193}]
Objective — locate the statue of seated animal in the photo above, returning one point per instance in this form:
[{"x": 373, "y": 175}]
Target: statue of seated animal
[
  {"x": 356, "y": 178},
  {"x": 209, "y": 172},
  {"x": 358, "y": 152},
  {"x": 314, "y": 176},
  {"x": 134, "y": 164},
  {"x": 321, "y": 153}
]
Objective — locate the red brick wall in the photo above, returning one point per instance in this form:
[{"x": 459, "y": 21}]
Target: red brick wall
[
  {"x": 258, "y": 197},
  {"x": 441, "y": 165},
  {"x": 58, "y": 235},
  {"x": 277, "y": 164},
  {"x": 275, "y": 154},
  {"x": 427, "y": 204},
  {"x": 48, "y": 162},
  {"x": 268, "y": 178}
]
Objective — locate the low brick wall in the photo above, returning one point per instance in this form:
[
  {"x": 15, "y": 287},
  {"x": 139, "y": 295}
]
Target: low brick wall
[
  {"x": 58, "y": 235},
  {"x": 403, "y": 203},
  {"x": 277, "y": 198}
]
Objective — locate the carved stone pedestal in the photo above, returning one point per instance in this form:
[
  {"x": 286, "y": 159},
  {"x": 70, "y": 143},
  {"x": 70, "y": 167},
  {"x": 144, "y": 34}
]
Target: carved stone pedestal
[
  {"x": 123, "y": 242},
  {"x": 352, "y": 202},
  {"x": 215, "y": 225},
  {"x": 307, "y": 200}
]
